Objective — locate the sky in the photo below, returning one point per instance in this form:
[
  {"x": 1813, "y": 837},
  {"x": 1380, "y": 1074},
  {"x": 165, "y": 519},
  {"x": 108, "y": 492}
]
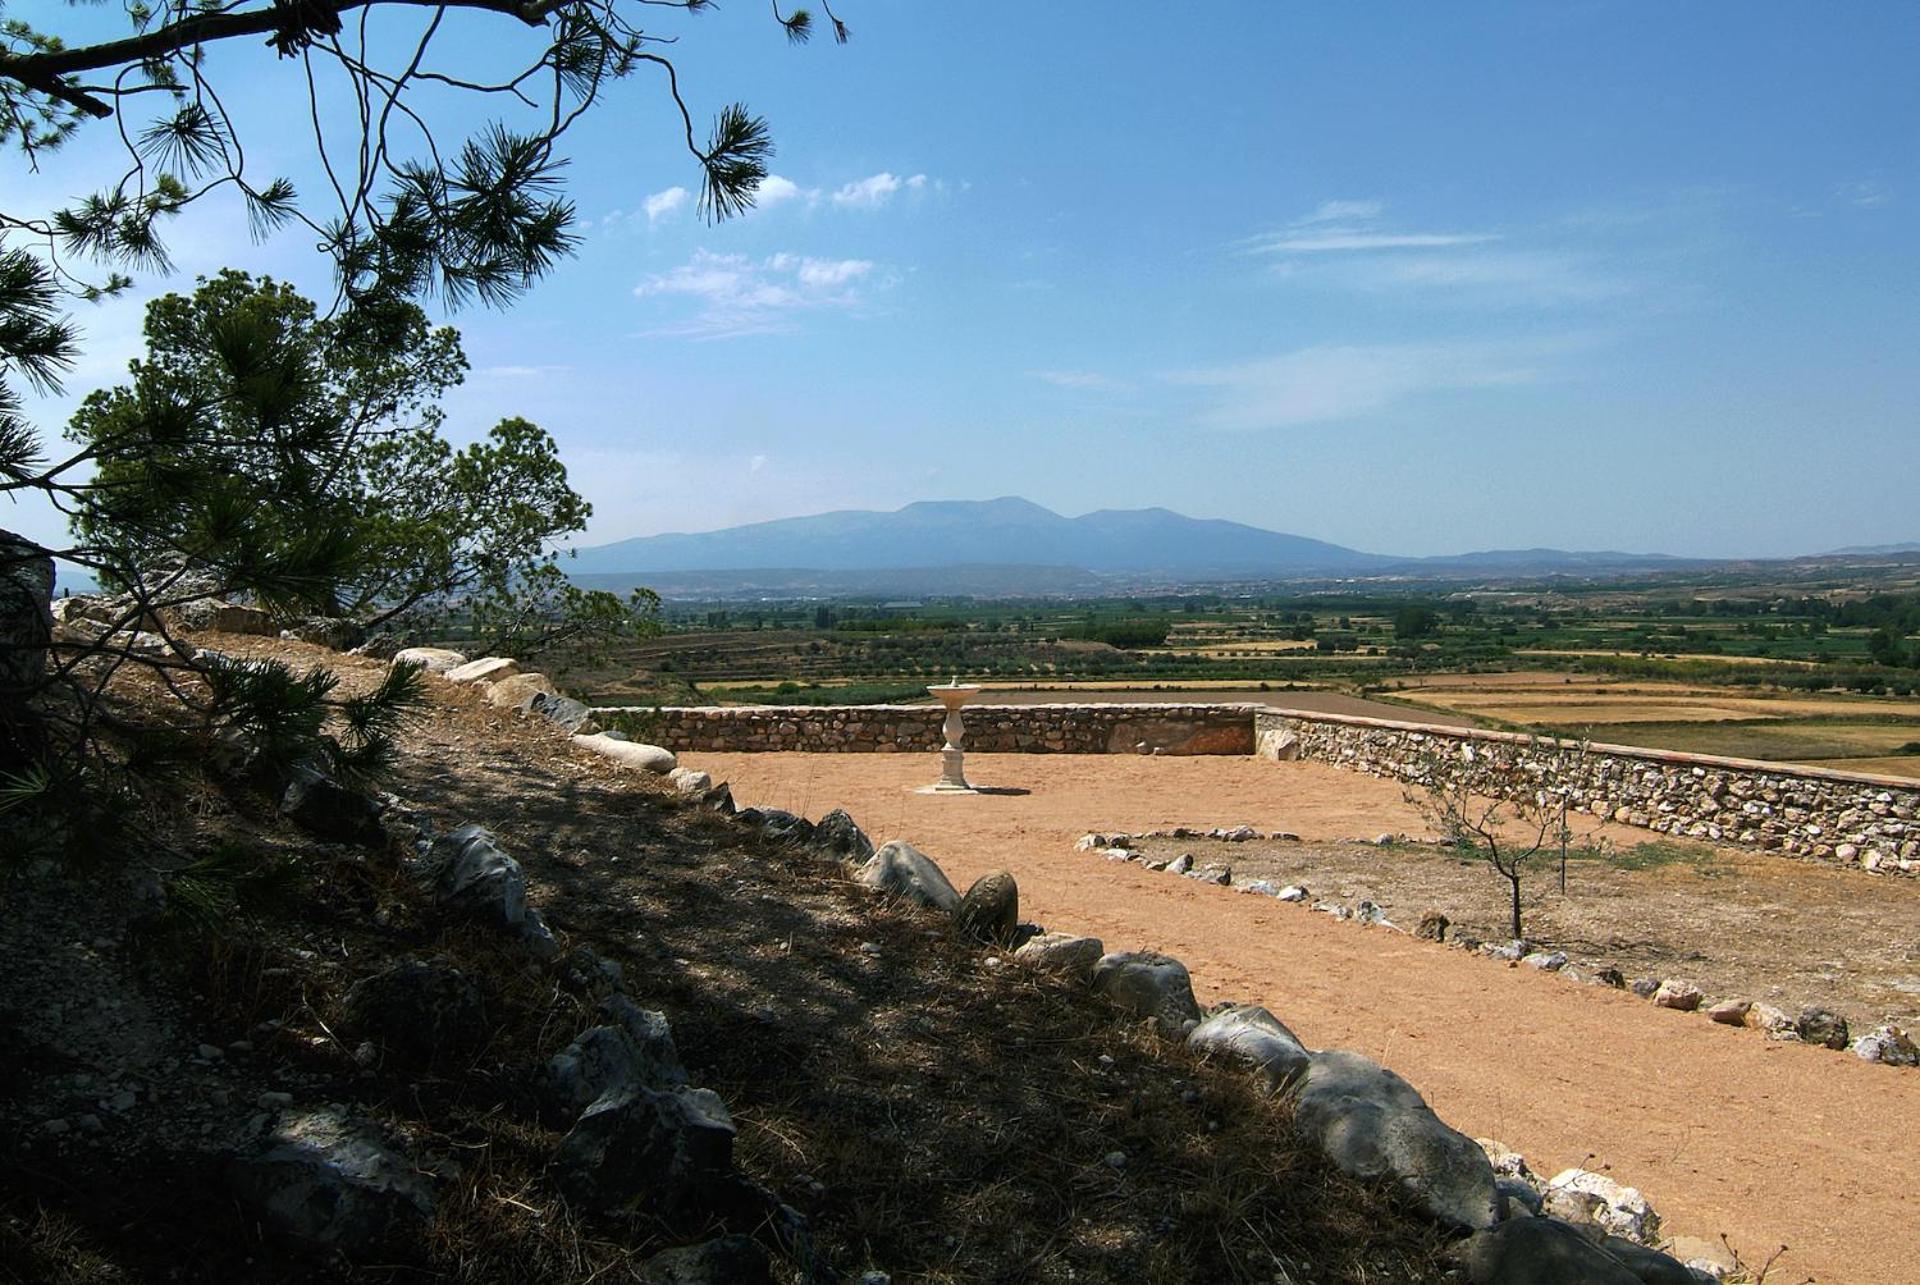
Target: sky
[{"x": 1415, "y": 279}]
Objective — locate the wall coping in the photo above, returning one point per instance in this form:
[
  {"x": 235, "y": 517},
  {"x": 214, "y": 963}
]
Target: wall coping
[{"x": 1679, "y": 758}]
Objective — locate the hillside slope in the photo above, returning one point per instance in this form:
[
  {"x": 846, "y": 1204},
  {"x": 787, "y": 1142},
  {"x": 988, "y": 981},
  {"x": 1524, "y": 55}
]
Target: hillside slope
[{"x": 924, "y": 1108}]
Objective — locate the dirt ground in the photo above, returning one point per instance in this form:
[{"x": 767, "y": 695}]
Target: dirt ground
[
  {"x": 1736, "y": 923},
  {"x": 1723, "y": 1130}
]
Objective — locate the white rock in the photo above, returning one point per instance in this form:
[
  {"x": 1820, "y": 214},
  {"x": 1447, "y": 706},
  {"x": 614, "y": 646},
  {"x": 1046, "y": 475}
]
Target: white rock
[
  {"x": 634, "y": 754},
  {"x": 1292, "y": 892},
  {"x": 435, "y": 660},
  {"x": 488, "y": 669},
  {"x": 1580, "y": 1195},
  {"x": 688, "y": 781}
]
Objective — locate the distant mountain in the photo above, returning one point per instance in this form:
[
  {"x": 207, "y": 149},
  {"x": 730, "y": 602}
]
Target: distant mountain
[
  {"x": 1012, "y": 545},
  {"x": 1871, "y": 550},
  {"x": 1003, "y": 532}
]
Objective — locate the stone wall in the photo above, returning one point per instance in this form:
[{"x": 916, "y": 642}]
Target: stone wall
[
  {"x": 880, "y": 729},
  {"x": 1851, "y": 817}
]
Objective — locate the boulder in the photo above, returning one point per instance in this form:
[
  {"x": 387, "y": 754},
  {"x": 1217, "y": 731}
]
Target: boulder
[
  {"x": 990, "y": 912},
  {"x": 1776, "y": 1024},
  {"x": 1730, "y": 1012},
  {"x": 337, "y": 813},
  {"x": 1649, "y": 1265},
  {"x": 1547, "y": 961},
  {"x": 1582, "y": 1196},
  {"x": 782, "y": 826},
  {"x": 607, "y": 1060},
  {"x": 694, "y": 785},
  {"x": 1822, "y": 1026},
  {"x": 518, "y": 691},
  {"x": 651, "y": 1034},
  {"x": 435, "y": 660},
  {"x": 210, "y": 615},
  {"x": 837, "y": 834},
  {"x": 667, "y": 1150},
  {"x": 1539, "y": 1251},
  {"x": 418, "y": 1013},
  {"x": 1676, "y": 994},
  {"x": 1255, "y": 1038},
  {"x": 1372, "y": 1124},
  {"x": 633, "y": 754},
  {"x": 566, "y": 713},
  {"x": 26, "y": 613},
  {"x": 475, "y": 875},
  {"x": 1611, "y": 976},
  {"x": 488, "y": 669},
  {"x": 728, "y": 1260},
  {"x": 382, "y": 646},
  {"x": 1433, "y": 926},
  {"x": 332, "y": 632},
  {"x": 1888, "y": 1044},
  {"x": 1147, "y": 984},
  {"x": 584, "y": 971},
  {"x": 1061, "y": 953},
  {"x": 905, "y": 871},
  {"x": 332, "y": 1181}
]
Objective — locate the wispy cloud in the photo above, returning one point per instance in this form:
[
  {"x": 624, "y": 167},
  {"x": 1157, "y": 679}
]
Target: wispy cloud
[
  {"x": 876, "y": 190},
  {"x": 1084, "y": 380},
  {"x": 661, "y": 204},
  {"x": 734, "y": 294},
  {"x": 1866, "y": 193},
  {"x": 1333, "y": 382},
  {"x": 520, "y": 372},
  {"x": 1343, "y": 212},
  {"x": 1323, "y": 242}
]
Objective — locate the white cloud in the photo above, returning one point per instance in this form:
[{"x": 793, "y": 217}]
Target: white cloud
[
  {"x": 661, "y": 204},
  {"x": 775, "y": 190},
  {"x": 738, "y": 295},
  {"x": 1355, "y": 239},
  {"x": 1084, "y": 380},
  {"x": 1334, "y": 382},
  {"x": 876, "y": 190},
  {"x": 755, "y": 463},
  {"x": 1343, "y": 212},
  {"x": 1866, "y": 193},
  {"x": 520, "y": 372}
]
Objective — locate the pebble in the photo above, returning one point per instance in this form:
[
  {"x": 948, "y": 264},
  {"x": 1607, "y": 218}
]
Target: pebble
[
  {"x": 272, "y": 1098},
  {"x": 870, "y": 948},
  {"x": 124, "y": 1100},
  {"x": 1115, "y": 1159},
  {"x": 209, "y": 1052}
]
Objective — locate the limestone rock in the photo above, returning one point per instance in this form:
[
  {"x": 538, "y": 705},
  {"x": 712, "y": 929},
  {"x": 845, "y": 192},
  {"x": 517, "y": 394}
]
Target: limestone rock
[
  {"x": 1582, "y": 1196},
  {"x": 337, "y": 813},
  {"x": 1148, "y": 984},
  {"x": 476, "y": 875},
  {"x": 332, "y": 632},
  {"x": 435, "y": 660},
  {"x": 651, "y": 1034},
  {"x": 836, "y": 833},
  {"x": 728, "y": 1260},
  {"x": 782, "y": 826},
  {"x": 1292, "y": 892},
  {"x": 381, "y": 646},
  {"x": 634, "y": 754},
  {"x": 607, "y": 1060},
  {"x": 210, "y": 615},
  {"x": 1888, "y": 1044},
  {"x": 1730, "y": 1012},
  {"x": 1256, "y": 1038},
  {"x": 1650, "y": 1266},
  {"x": 990, "y": 912},
  {"x": 690, "y": 783},
  {"x": 1611, "y": 976},
  {"x": 1774, "y": 1023},
  {"x": 1546, "y": 961},
  {"x": 1062, "y": 953},
  {"x": 333, "y": 1181},
  {"x": 905, "y": 871},
  {"x": 667, "y": 1149},
  {"x": 518, "y": 691},
  {"x": 418, "y": 1013},
  {"x": 1540, "y": 1251},
  {"x": 1372, "y": 1124},
  {"x": 488, "y": 669},
  {"x": 1822, "y": 1026},
  {"x": 564, "y": 712},
  {"x": 1433, "y": 926},
  {"x": 26, "y": 613},
  {"x": 1676, "y": 994}
]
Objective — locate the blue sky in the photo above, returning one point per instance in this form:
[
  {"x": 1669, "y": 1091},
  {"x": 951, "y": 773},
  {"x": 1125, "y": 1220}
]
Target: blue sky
[{"x": 1412, "y": 278}]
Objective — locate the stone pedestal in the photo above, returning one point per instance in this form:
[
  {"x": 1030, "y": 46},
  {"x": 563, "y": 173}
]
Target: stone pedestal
[{"x": 953, "y": 776}]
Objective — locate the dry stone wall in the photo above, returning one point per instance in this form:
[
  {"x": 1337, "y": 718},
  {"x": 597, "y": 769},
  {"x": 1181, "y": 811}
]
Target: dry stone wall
[
  {"x": 1808, "y": 812},
  {"x": 882, "y": 729}
]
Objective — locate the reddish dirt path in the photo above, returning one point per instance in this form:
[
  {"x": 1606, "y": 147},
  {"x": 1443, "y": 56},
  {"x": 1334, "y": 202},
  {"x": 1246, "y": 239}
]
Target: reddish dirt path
[{"x": 1724, "y": 1131}]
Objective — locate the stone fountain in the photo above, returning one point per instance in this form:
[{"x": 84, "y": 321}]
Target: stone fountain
[{"x": 953, "y": 777}]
